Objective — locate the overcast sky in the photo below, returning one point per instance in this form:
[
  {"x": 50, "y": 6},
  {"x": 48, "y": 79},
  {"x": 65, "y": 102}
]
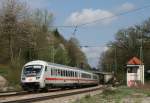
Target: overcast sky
[{"x": 97, "y": 34}]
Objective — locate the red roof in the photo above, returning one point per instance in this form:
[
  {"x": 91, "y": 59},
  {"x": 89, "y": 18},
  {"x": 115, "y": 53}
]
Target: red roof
[{"x": 134, "y": 61}]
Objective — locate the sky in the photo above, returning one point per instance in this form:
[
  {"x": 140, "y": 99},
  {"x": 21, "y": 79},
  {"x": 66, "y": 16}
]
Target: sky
[{"x": 97, "y": 34}]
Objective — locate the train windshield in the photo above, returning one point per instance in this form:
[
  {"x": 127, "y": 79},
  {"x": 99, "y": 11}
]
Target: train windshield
[{"x": 34, "y": 70}]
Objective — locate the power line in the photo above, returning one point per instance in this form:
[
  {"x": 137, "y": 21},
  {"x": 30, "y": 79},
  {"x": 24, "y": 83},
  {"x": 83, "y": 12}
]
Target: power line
[
  {"x": 119, "y": 14},
  {"x": 64, "y": 26},
  {"x": 98, "y": 20},
  {"x": 92, "y": 46}
]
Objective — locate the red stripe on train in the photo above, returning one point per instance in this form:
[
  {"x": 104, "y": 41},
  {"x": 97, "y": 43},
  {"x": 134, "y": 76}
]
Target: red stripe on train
[
  {"x": 59, "y": 79},
  {"x": 68, "y": 79}
]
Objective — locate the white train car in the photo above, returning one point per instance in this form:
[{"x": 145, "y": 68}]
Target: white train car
[{"x": 43, "y": 75}]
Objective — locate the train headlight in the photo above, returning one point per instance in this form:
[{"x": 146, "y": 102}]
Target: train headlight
[{"x": 37, "y": 78}]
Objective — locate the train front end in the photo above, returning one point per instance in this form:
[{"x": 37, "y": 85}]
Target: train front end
[{"x": 32, "y": 77}]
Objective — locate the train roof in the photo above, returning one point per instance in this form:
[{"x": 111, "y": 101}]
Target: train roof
[
  {"x": 36, "y": 62},
  {"x": 41, "y": 62},
  {"x": 65, "y": 66}
]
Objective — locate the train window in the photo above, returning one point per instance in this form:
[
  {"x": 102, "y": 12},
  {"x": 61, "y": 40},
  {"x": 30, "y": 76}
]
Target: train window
[
  {"x": 32, "y": 70},
  {"x": 53, "y": 72},
  {"x": 75, "y": 74},
  {"x": 61, "y": 72},
  {"x": 94, "y": 77},
  {"x": 66, "y": 73},
  {"x": 71, "y": 73},
  {"x": 58, "y": 72},
  {"x": 84, "y": 75}
]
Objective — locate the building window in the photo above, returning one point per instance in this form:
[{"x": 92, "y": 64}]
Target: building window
[{"x": 132, "y": 70}]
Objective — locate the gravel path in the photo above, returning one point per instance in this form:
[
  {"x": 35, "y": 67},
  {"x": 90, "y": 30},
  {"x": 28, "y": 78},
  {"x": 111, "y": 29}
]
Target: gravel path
[{"x": 70, "y": 99}]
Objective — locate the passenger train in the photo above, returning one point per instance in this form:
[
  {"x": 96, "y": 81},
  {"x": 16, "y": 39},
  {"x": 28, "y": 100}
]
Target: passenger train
[{"x": 42, "y": 75}]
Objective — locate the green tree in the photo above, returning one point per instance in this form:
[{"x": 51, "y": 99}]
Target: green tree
[
  {"x": 78, "y": 58},
  {"x": 127, "y": 44},
  {"x": 61, "y": 56},
  {"x": 58, "y": 48}
]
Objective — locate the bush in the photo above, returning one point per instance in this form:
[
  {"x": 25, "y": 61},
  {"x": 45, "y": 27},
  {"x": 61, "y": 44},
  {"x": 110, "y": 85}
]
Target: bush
[{"x": 87, "y": 96}]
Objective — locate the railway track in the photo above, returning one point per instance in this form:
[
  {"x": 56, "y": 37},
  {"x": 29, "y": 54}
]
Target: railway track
[
  {"x": 51, "y": 95},
  {"x": 10, "y": 94}
]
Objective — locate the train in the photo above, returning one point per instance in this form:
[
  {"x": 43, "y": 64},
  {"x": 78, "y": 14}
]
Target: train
[{"x": 42, "y": 75}]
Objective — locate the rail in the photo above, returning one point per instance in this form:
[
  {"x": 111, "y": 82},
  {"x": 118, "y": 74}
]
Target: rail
[{"x": 53, "y": 95}]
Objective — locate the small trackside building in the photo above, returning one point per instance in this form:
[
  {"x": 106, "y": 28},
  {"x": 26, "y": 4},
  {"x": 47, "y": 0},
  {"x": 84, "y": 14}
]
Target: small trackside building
[{"x": 135, "y": 72}]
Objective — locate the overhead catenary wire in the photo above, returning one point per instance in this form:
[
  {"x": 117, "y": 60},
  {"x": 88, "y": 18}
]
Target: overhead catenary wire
[
  {"x": 92, "y": 46},
  {"x": 116, "y": 15},
  {"x": 98, "y": 20},
  {"x": 101, "y": 19}
]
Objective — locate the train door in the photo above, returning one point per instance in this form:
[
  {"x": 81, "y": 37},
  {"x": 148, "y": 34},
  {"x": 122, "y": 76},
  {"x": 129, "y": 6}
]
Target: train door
[{"x": 47, "y": 74}]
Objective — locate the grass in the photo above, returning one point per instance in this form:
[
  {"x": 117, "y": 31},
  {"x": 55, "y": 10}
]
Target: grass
[
  {"x": 4, "y": 70},
  {"x": 116, "y": 96}
]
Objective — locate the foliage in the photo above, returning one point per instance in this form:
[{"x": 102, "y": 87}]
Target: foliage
[
  {"x": 119, "y": 95},
  {"x": 78, "y": 58},
  {"x": 127, "y": 44},
  {"x": 26, "y": 35}
]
